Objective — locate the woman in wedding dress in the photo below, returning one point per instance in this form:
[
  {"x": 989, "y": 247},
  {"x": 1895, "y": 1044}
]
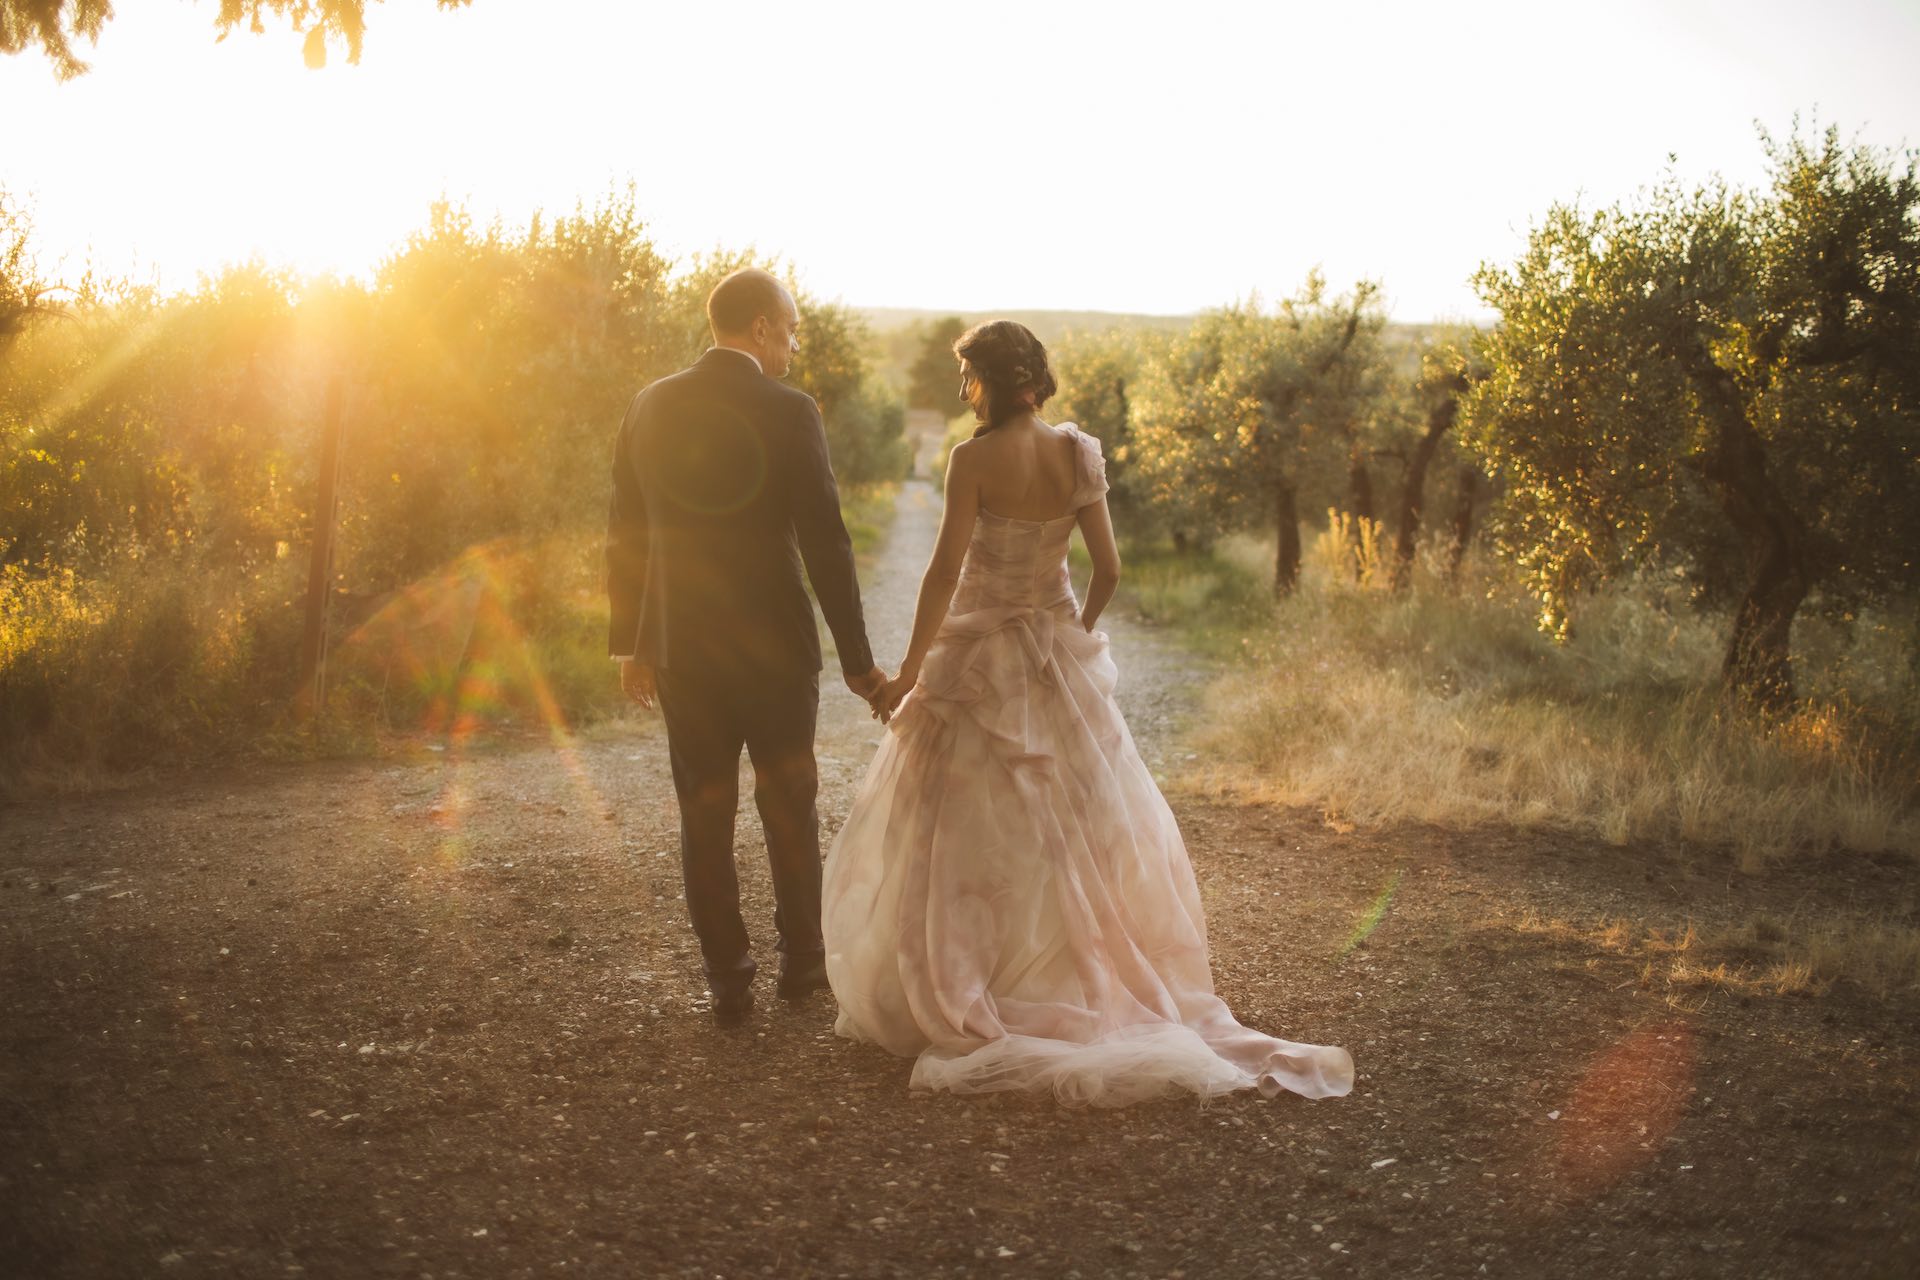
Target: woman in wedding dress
[{"x": 1010, "y": 901}]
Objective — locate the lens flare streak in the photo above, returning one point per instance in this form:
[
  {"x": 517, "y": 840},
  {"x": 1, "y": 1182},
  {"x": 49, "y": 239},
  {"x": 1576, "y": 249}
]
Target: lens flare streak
[{"x": 1371, "y": 919}]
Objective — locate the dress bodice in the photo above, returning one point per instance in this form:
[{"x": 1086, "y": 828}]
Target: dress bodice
[
  {"x": 1023, "y": 563},
  {"x": 1015, "y": 563}
]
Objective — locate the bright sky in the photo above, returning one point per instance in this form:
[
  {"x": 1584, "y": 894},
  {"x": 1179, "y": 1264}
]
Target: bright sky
[{"x": 975, "y": 155}]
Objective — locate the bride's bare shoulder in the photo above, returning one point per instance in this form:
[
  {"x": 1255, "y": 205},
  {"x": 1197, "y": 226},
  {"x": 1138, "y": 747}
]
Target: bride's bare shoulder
[{"x": 964, "y": 458}]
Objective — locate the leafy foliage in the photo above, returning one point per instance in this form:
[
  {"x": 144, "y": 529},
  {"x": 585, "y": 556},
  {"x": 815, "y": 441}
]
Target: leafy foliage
[
  {"x": 482, "y": 370},
  {"x": 932, "y": 378},
  {"x": 22, "y": 292},
  {"x": 1449, "y": 366},
  {"x": 1099, "y": 375},
  {"x": 158, "y": 455},
  {"x": 1234, "y": 420},
  {"x": 54, "y": 25},
  {"x": 1717, "y": 383},
  {"x": 320, "y": 19}
]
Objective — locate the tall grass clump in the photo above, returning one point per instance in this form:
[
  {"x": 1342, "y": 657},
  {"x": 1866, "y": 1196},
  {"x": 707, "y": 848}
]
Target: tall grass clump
[
  {"x": 1445, "y": 703},
  {"x": 148, "y": 657}
]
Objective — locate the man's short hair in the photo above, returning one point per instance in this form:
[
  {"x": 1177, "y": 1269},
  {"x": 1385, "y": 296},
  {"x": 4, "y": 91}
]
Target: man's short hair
[{"x": 743, "y": 297}]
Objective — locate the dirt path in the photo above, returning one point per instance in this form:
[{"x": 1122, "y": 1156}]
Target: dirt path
[{"x": 443, "y": 1019}]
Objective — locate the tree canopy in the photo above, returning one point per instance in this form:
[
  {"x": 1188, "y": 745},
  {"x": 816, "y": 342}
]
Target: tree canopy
[
  {"x": 1098, "y": 375},
  {"x": 484, "y": 370},
  {"x": 56, "y": 25},
  {"x": 934, "y": 377},
  {"x": 1227, "y": 425},
  {"x": 1720, "y": 383}
]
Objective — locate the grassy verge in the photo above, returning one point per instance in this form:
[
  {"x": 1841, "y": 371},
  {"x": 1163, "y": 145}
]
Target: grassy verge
[
  {"x": 1768, "y": 954},
  {"x": 868, "y": 512},
  {"x": 1445, "y": 704},
  {"x": 103, "y": 674},
  {"x": 162, "y": 660}
]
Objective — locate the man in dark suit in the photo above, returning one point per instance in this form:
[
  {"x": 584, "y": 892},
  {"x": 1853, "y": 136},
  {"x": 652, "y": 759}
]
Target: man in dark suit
[{"x": 721, "y": 492}]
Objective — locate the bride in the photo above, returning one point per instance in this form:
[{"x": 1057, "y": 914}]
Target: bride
[{"x": 1010, "y": 900}]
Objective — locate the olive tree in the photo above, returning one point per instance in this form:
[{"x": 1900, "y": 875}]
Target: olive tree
[
  {"x": 934, "y": 374},
  {"x": 1719, "y": 381},
  {"x": 1449, "y": 367},
  {"x": 1227, "y": 423},
  {"x": 1098, "y": 374}
]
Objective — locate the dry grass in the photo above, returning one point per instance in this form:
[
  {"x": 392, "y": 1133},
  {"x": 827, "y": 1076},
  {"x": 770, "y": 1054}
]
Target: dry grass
[
  {"x": 1766, "y": 955},
  {"x": 157, "y": 657},
  {"x": 1882, "y": 955},
  {"x": 1447, "y": 705},
  {"x": 104, "y": 673}
]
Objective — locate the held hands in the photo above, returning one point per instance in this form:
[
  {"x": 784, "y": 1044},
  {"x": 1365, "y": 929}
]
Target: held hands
[
  {"x": 882, "y": 694},
  {"x": 890, "y": 695},
  {"x": 868, "y": 686}
]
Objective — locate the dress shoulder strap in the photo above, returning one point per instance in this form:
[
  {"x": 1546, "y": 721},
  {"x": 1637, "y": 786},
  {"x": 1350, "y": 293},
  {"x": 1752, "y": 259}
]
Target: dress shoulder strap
[{"x": 1092, "y": 468}]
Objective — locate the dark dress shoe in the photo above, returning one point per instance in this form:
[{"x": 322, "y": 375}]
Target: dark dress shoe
[
  {"x": 730, "y": 1008},
  {"x": 802, "y": 978}
]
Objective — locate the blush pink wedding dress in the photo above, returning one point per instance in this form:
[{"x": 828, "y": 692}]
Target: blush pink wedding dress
[{"x": 1010, "y": 901}]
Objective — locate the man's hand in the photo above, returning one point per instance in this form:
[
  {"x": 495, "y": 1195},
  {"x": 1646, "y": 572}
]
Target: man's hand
[
  {"x": 636, "y": 679},
  {"x": 868, "y": 686}
]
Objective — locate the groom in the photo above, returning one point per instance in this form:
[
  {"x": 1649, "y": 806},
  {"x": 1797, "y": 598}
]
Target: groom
[{"x": 721, "y": 490}]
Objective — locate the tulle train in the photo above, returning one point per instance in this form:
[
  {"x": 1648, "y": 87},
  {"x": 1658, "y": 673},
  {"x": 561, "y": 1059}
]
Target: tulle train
[{"x": 1010, "y": 900}]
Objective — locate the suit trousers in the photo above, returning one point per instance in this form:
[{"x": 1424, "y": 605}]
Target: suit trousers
[{"x": 709, "y": 717}]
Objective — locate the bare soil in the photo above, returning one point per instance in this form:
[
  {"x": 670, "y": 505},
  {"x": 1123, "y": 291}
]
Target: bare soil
[{"x": 442, "y": 1016}]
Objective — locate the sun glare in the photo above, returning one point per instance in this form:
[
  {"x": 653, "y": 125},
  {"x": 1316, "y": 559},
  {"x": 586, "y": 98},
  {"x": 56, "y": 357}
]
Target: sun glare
[{"x": 1129, "y": 164}]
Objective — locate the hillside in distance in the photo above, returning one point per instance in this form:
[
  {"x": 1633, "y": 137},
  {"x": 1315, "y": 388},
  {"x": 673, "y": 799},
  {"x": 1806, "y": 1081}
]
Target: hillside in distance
[
  {"x": 1048, "y": 326},
  {"x": 899, "y": 331}
]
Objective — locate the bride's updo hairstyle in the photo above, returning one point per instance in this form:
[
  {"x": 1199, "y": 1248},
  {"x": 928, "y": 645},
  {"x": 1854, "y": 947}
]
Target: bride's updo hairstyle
[{"x": 1007, "y": 361}]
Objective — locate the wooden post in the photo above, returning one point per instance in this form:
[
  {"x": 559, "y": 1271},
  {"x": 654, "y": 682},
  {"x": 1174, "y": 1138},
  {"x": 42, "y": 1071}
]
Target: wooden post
[{"x": 313, "y": 639}]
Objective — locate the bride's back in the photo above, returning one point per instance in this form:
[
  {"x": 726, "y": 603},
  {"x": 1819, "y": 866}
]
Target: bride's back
[{"x": 1029, "y": 470}]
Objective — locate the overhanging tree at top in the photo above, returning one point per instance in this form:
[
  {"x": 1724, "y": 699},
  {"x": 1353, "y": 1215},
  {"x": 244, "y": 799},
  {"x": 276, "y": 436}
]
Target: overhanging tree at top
[{"x": 55, "y": 25}]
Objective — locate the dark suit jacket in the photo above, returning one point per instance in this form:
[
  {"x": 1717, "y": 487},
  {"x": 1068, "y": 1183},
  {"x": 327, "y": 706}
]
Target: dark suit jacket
[{"x": 721, "y": 489}]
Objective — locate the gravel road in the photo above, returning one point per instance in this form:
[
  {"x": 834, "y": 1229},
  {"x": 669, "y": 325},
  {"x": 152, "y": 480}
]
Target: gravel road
[{"x": 442, "y": 1017}]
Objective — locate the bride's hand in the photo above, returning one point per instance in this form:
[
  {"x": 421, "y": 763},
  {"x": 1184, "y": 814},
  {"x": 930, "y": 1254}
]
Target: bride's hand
[{"x": 890, "y": 695}]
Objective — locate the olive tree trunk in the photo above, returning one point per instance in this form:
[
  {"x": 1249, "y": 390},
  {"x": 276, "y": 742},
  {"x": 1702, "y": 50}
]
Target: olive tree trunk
[
  {"x": 1413, "y": 494},
  {"x": 1758, "y": 663},
  {"x": 1286, "y": 551},
  {"x": 1469, "y": 481}
]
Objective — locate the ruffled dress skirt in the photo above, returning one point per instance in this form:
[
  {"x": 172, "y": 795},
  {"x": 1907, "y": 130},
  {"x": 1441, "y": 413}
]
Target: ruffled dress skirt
[{"x": 1010, "y": 901}]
